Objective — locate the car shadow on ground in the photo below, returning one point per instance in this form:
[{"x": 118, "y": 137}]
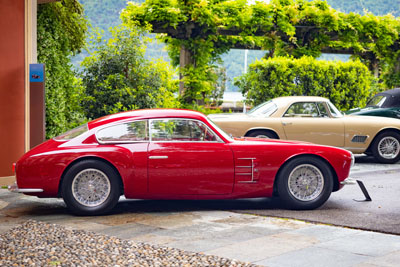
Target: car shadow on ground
[
  {"x": 160, "y": 206},
  {"x": 37, "y": 209},
  {"x": 365, "y": 159}
]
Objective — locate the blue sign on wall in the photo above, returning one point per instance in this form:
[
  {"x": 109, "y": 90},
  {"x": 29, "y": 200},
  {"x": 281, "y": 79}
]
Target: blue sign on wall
[{"x": 36, "y": 73}]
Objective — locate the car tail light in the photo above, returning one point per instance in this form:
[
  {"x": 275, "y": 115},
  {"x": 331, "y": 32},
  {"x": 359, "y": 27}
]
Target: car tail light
[{"x": 13, "y": 167}]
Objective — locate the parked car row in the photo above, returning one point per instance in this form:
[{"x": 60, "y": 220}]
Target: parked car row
[
  {"x": 181, "y": 154},
  {"x": 316, "y": 120}
]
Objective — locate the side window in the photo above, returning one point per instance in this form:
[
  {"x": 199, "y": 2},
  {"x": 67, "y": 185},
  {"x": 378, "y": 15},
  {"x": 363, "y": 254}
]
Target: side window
[
  {"x": 181, "y": 131},
  {"x": 302, "y": 109},
  {"x": 322, "y": 110},
  {"x": 135, "y": 131}
]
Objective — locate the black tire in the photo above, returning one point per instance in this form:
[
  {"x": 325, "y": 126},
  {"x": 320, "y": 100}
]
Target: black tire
[
  {"x": 386, "y": 147},
  {"x": 290, "y": 186},
  {"x": 101, "y": 192},
  {"x": 262, "y": 134}
]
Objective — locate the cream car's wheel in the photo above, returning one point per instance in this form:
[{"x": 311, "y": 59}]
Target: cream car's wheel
[
  {"x": 305, "y": 183},
  {"x": 386, "y": 147},
  {"x": 91, "y": 187}
]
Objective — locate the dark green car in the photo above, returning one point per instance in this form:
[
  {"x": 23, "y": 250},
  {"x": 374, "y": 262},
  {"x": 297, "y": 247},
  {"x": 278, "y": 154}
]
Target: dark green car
[{"x": 385, "y": 104}]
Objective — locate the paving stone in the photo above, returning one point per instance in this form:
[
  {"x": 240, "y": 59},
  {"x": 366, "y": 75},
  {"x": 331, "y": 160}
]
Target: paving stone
[
  {"x": 365, "y": 243},
  {"x": 314, "y": 257},
  {"x": 264, "y": 247},
  {"x": 128, "y": 231},
  {"x": 389, "y": 260},
  {"x": 154, "y": 239},
  {"x": 324, "y": 233}
]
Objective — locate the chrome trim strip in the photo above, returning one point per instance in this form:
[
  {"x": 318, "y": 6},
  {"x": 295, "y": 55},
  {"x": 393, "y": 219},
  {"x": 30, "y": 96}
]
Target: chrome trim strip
[
  {"x": 14, "y": 189},
  {"x": 158, "y": 157},
  {"x": 251, "y": 173}
]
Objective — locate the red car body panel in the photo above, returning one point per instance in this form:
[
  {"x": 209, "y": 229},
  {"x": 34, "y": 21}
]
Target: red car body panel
[{"x": 234, "y": 168}]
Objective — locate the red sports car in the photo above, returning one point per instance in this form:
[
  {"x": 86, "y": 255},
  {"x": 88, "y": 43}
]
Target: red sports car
[{"x": 176, "y": 154}]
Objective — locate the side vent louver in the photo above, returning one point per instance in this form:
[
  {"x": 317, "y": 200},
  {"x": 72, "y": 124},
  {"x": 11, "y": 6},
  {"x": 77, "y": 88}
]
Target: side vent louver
[{"x": 359, "y": 139}]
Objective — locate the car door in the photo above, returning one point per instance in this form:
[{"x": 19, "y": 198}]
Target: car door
[
  {"x": 311, "y": 122},
  {"x": 185, "y": 157}
]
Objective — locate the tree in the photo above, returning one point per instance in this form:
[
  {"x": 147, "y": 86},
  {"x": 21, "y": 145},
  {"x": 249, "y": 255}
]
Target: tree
[
  {"x": 117, "y": 76},
  {"x": 61, "y": 33}
]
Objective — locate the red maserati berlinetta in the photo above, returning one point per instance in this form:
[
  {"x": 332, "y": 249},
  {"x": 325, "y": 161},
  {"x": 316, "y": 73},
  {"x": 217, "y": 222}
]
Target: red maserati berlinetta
[{"x": 176, "y": 154}]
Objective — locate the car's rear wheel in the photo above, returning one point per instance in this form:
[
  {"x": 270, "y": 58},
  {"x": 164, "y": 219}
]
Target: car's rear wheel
[
  {"x": 386, "y": 147},
  {"x": 305, "y": 183},
  {"x": 91, "y": 187},
  {"x": 262, "y": 134}
]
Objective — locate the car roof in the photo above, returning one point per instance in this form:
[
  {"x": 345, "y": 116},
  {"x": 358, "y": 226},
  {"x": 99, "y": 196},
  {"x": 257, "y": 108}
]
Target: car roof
[
  {"x": 392, "y": 98},
  {"x": 300, "y": 99},
  {"x": 395, "y": 92},
  {"x": 146, "y": 114}
]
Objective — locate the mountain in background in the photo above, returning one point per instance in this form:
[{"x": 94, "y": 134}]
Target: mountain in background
[{"x": 104, "y": 14}]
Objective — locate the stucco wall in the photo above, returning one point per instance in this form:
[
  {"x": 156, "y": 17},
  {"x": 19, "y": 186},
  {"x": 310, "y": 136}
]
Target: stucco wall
[{"x": 12, "y": 83}]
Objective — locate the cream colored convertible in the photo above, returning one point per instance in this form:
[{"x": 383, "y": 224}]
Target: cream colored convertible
[{"x": 316, "y": 120}]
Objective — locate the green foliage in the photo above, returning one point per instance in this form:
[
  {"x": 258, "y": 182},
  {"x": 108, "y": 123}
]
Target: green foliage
[
  {"x": 346, "y": 84},
  {"x": 61, "y": 33},
  {"x": 291, "y": 28},
  {"x": 117, "y": 77}
]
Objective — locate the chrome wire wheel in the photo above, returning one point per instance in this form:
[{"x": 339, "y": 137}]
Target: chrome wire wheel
[
  {"x": 91, "y": 187},
  {"x": 305, "y": 182},
  {"x": 388, "y": 147}
]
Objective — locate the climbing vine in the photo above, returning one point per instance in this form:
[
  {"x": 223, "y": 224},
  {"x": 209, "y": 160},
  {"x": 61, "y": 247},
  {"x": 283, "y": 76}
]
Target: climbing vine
[{"x": 208, "y": 28}]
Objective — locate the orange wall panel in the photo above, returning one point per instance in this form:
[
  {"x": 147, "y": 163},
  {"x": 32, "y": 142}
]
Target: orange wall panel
[{"x": 12, "y": 84}]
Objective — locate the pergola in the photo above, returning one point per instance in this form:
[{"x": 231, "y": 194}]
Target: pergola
[{"x": 305, "y": 33}]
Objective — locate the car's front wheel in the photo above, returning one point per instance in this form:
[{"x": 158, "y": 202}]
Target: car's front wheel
[
  {"x": 386, "y": 147},
  {"x": 305, "y": 183},
  {"x": 90, "y": 187}
]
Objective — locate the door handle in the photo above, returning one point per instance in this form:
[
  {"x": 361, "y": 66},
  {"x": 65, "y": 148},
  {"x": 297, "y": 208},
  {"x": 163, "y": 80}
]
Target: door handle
[
  {"x": 286, "y": 123},
  {"x": 158, "y": 157}
]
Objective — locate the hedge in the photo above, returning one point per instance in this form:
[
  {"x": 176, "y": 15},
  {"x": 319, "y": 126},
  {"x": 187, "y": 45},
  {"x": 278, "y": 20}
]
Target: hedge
[{"x": 346, "y": 84}]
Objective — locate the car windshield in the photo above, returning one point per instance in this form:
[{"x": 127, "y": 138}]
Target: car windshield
[
  {"x": 334, "y": 111},
  {"x": 225, "y": 135},
  {"x": 265, "y": 109},
  {"x": 376, "y": 101}
]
